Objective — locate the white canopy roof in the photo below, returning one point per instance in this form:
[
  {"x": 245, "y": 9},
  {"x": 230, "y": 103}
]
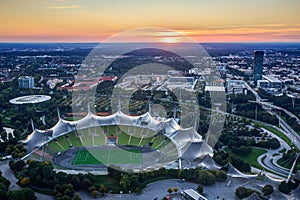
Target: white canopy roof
[{"x": 188, "y": 142}]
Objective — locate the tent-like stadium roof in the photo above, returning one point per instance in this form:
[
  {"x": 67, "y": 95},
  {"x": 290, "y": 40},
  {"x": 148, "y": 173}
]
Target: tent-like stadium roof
[
  {"x": 188, "y": 142},
  {"x": 209, "y": 163},
  {"x": 234, "y": 172},
  {"x": 37, "y": 138}
]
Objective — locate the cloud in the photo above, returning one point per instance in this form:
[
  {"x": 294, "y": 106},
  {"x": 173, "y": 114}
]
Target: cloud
[
  {"x": 63, "y": 7},
  {"x": 53, "y": 1},
  {"x": 248, "y": 33}
]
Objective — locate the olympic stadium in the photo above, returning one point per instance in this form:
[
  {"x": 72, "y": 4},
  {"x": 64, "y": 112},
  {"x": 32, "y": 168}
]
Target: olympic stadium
[
  {"x": 30, "y": 99},
  {"x": 129, "y": 143}
]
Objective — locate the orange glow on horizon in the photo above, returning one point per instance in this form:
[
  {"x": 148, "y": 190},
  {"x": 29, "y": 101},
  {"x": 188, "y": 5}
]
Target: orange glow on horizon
[
  {"x": 203, "y": 21},
  {"x": 170, "y": 40}
]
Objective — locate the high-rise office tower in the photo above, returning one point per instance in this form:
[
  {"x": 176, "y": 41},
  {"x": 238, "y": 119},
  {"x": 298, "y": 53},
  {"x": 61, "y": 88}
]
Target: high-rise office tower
[
  {"x": 26, "y": 82},
  {"x": 258, "y": 65}
]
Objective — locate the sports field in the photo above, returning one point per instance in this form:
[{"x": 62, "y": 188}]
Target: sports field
[{"x": 108, "y": 157}]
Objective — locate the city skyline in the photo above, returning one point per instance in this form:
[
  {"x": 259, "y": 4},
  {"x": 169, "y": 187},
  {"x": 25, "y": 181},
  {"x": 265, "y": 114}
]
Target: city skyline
[{"x": 204, "y": 21}]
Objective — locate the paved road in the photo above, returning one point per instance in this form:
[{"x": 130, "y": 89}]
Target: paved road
[
  {"x": 260, "y": 101},
  {"x": 7, "y": 173},
  {"x": 293, "y": 135},
  {"x": 258, "y": 98},
  {"x": 279, "y": 108},
  {"x": 220, "y": 190},
  {"x": 157, "y": 189},
  {"x": 270, "y": 161}
]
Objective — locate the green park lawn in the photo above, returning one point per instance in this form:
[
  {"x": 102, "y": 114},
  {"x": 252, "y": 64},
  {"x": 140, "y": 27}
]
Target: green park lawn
[
  {"x": 107, "y": 157},
  {"x": 289, "y": 164},
  {"x": 275, "y": 131},
  {"x": 251, "y": 159}
]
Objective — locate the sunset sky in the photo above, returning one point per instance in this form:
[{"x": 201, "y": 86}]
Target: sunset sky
[{"x": 203, "y": 20}]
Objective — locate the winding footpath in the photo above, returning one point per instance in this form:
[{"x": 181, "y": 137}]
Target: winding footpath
[
  {"x": 9, "y": 175},
  {"x": 269, "y": 159}
]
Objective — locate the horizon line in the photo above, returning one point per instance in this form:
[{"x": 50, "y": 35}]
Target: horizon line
[{"x": 94, "y": 42}]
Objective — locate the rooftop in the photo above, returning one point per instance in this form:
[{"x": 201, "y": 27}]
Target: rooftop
[{"x": 272, "y": 79}]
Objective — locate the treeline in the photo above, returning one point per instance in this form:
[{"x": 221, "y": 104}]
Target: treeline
[
  {"x": 291, "y": 121},
  {"x": 287, "y": 187},
  {"x": 134, "y": 182},
  {"x": 243, "y": 192},
  {"x": 222, "y": 158},
  {"x": 139, "y": 57},
  {"x": 239, "y": 139},
  {"x": 6, "y": 194},
  {"x": 283, "y": 101},
  {"x": 247, "y": 109},
  {"x": 11, "y": 146},
  {"x": 41, "y": 175},
  {"x": 20, "y": 115}
]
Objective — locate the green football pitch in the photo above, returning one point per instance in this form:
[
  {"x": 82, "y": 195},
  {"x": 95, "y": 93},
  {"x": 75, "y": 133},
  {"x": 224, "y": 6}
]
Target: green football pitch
[{"x": 108, "y": 157}]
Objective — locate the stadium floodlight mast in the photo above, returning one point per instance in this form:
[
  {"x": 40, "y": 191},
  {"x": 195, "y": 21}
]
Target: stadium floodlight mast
[{"x": 158, "y": 42}]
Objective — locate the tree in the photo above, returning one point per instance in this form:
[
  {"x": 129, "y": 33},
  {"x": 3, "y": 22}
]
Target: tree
[
  {"x": 129, "y": 181},
  {"x": 284, "y": 188},
  {"x": 221, "y": 176},
  {"x": 77, "y": 197},
  {"x": 137, "y": 189},
  {"x": 218, "y": 158},
  {"x": 18, "y": 165},
  {"x": 8, "y": 150},
  {"x": 95, "y": 193},
  {"x": 92, "y": 188},
  {"x": 64, "y": 198},
  {"x": 28, "y": 194},
  {"x": 274, "y": 143},
  {"x": 24, "y": 194},
  {"x": 242, "y": 150},
  {"x": 125, "y": 182},
  {"x": 175, "y": 189},
  {"x": 47, "y": 171},
  {"x": 170, "y": 190},
  {"x": 243, "y": 192},
  {"x": 267, "y": 190},
  {"x": 200, "y": 189},
  {"x": 3, "y": 191},
  {"x": 102, "y": 189},
  {"x": 5, "y": 182},
  {"x": 75, "y": 181},
  {"x": 293, "y": 184},
  {"x": 206, "y": 178},
  {"x": 86, "y": 183},
  {"x": 63, "y": 192},
  {"x": 68, "y": 192},
  {"x": 11, "y": 164},
  {"x": 24, "y": 182},
  {"x": 239, "y": 164}
]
